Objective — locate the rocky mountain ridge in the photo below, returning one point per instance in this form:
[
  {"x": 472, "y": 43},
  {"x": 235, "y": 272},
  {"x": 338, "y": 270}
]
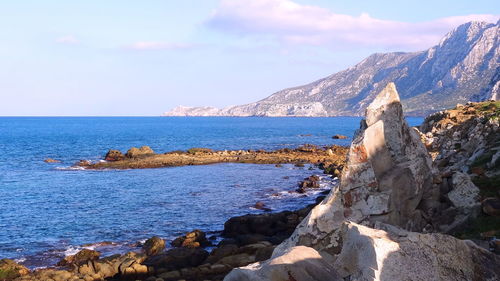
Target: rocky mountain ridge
[{"x": 464, "y": 66}]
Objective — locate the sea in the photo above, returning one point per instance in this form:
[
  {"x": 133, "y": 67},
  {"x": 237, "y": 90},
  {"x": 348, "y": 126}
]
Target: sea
[{"x": 51, "y": 210}]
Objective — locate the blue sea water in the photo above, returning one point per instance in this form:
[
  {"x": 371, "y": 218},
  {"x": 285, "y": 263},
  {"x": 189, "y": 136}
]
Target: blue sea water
[{"x": 49, "y": 210}]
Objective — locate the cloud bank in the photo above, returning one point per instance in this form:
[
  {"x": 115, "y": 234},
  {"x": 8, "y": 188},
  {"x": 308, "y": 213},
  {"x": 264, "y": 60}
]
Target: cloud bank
[{"x": 294, "y": 23}]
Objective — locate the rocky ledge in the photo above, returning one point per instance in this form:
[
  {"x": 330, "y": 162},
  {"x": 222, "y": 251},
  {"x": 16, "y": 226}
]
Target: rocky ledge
[{"x": 144, "y": 157}]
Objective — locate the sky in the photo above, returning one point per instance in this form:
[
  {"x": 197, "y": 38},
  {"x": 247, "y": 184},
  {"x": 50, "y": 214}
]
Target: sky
[{"x": 142, "y": 58}]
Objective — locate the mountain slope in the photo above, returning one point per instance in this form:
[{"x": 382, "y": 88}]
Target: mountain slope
[{"x": 464, "y": 66}]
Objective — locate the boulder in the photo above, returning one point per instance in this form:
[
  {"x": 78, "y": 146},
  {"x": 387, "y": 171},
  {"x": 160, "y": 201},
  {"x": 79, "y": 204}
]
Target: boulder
[
  {"x": 193, "y": 239},
  {"x": 50, "y": 160},
  {"x": 80, "y": 258},
  {"x": 463, "y": 194},
  {"x": 297, "y": 263},
  {"x": 388, "y": 171},
  {"x": 153, "y": 246},
  {"x": 177, "y": 258},
  {"x": 114, "y": 155},
  {"x": 339, "y": 137},
  {"x": 491, "y": 206},
  {"x": 137, "y": 152},
  {"x": 10, "y": 270}
]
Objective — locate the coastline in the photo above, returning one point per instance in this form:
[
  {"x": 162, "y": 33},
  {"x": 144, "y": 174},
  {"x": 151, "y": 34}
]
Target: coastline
[{"x": 249, "y": 237}]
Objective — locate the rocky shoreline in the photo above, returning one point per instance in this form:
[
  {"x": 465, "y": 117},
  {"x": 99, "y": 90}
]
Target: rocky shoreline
[
  {"x": 193, "y": 256},
  {"x": 245, "y": 239},
  {"x": 389, "y": 219}
]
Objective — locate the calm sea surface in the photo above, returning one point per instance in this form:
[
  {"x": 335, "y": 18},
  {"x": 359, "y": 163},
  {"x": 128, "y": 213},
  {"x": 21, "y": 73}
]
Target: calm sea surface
[{"x": 50, "y": 210}]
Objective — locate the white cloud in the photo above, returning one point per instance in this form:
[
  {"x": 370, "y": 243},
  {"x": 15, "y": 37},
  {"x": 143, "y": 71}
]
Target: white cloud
[
  {"x": 291, "y": 22},
  {"x": 69, "y": 39},
  {"x": 151, "y": 45}
]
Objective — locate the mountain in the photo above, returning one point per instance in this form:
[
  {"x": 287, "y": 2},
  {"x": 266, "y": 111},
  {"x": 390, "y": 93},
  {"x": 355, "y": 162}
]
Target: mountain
[{"x": 464, "y": 66}]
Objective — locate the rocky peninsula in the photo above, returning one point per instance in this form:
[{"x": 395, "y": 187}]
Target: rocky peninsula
[
  {"x": 406, "y": 197},
  {"x": 145, "y": 157}
]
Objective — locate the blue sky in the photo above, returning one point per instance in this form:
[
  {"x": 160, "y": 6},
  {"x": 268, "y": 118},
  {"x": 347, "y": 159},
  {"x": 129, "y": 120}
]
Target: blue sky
[{"x": 124, "y": 57}]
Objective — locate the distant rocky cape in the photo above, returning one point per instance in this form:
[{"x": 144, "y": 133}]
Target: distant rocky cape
[{"x": 464, "y": 66}]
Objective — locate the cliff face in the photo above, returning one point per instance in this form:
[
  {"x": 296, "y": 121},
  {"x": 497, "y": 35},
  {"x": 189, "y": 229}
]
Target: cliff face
[
  {"x": 381, "y": 222},
  {"x": 464, "y": 66}
]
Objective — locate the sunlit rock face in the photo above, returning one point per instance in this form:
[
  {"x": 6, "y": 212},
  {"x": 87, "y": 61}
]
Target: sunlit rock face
[
  {"x": 387, "y": 173},
  {"x": 385, "y": 253}
]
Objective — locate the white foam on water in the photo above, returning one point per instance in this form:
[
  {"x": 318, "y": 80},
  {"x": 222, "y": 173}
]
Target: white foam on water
[{"x": 20, "y": 260}]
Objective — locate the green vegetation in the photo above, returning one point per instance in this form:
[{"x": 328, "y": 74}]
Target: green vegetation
[
  {"x": 8, "y": 274},
  {"x": 490, "y": 107},
  {"x": 481, "y": 224},
  {"x": 488, "y": 186},
  {"x": 482, "y": 160}
]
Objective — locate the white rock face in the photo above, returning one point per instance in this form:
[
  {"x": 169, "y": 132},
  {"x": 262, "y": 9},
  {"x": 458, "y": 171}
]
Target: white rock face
[
  {"x": 464, "y": 66},
  {"x": 387, "y": 253},
  {"x": 387, "y": 172},
  {"x": 464, "y": 193},
  {"x": 312, "y": 268}
]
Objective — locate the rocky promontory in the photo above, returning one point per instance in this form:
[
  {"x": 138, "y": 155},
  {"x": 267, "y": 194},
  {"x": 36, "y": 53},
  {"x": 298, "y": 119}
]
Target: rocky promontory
[{"x": 144, "y": 157}]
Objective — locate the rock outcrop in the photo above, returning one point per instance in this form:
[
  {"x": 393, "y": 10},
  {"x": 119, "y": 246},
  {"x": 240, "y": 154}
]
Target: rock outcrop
[
  {"x": 376, "y": 225},
  {"x": 388, "y": 172},
  {"x": 463, "y": 67},
  {"x": 376, "y": 254}
]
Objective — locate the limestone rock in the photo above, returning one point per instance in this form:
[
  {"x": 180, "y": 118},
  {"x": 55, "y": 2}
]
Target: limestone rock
[
  {"x": 388, "y": 172},
  {"x": 297, "y": 263},
  {"x": 383, "y": 254},
  {"x": 464, "y": 194}
]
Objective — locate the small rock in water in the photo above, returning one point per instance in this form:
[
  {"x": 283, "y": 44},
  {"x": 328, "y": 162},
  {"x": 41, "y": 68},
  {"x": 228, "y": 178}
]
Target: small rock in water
[
  {"x": 50, "y": 160},
  {"x": 261, "y": 206},
  {"x": 339, "y": 137}
]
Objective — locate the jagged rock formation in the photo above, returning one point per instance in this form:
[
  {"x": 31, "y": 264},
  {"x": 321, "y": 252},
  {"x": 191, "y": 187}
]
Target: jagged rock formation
[
  {"x": 464, "y": 66},
  {"x": 363, "y": 229},
  {"x": 388, "y": 172}
]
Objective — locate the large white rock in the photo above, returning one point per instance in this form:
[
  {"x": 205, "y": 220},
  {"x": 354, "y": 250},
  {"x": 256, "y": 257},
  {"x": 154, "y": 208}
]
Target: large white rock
[
  {"x": 387, "y": 173},
  {"x": 297, "y": 263},
  {"x": 375, "y": 254}
]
